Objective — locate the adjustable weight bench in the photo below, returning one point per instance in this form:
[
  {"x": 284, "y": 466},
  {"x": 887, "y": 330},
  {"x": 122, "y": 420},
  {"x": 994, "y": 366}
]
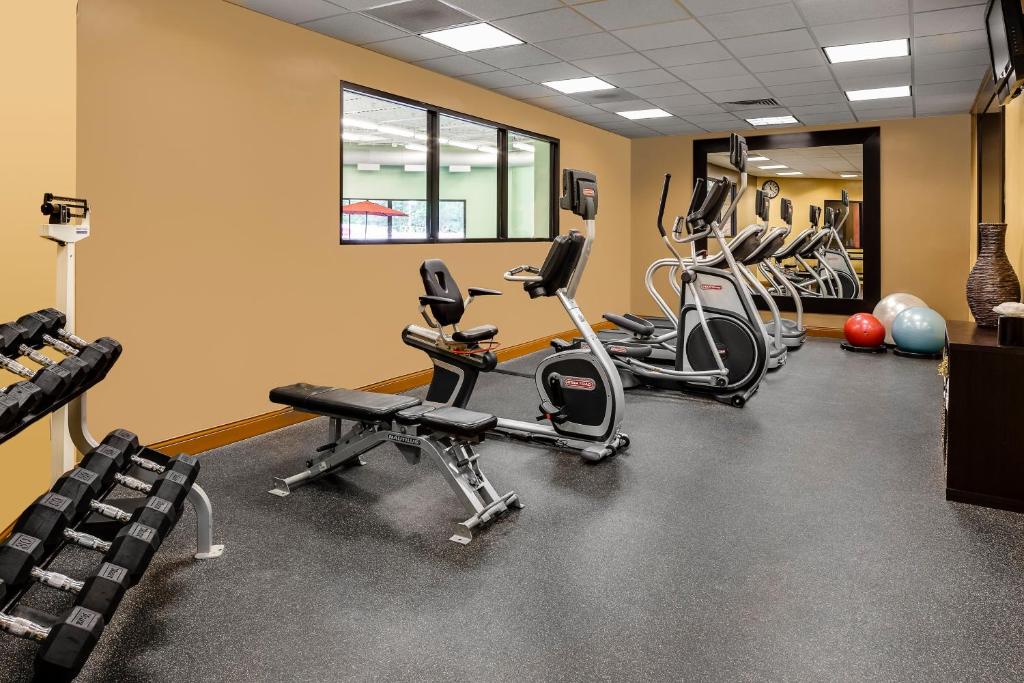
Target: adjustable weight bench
[{"x": 445, "y": 434}]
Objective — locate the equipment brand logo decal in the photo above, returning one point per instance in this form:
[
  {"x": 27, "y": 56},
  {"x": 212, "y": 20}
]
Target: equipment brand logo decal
[
  {"x": 588, "y": 192},
  {"x": 584, "y": 383},
  {"x": 403, "y": 439},
  {"x": 617, "y": 349},
  {"x": 711, "y": 287}
]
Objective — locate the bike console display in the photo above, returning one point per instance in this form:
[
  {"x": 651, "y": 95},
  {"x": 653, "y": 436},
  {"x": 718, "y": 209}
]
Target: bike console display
[{"x": 579, "y": 193}]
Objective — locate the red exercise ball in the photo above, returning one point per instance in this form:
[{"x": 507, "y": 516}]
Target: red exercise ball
[{"x": 864, "y": 329}]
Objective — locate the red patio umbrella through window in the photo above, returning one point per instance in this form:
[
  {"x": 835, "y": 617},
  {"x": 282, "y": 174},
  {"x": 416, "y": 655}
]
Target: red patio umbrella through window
[{"x": 368, "y": 209}]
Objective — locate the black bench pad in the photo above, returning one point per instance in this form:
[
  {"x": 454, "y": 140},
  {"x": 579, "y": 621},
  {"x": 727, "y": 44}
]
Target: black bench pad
[
  {"x": 342, "y": 403},
  {"x": 457, "y": 421}
]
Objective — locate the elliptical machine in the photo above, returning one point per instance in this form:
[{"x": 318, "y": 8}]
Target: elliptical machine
[
  {"x": 836, "y": 259},
  {"x": 792, "y": 332},
  {"x": 717, "y": 348},
  {"x": 579, "y": 387}
]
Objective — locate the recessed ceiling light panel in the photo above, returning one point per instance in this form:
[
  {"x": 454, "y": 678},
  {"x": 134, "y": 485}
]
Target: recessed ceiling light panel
[
  {"x": 473, "y": 37},
  {"x": 772, "y": 121},
  {"x": 790, "y": 173},
  {"x": 848, "y": 175},
  {"x": 878, "y": 93},
  {"x": 757, "y": 159},
  {"x": 857, "y": 52},
  {"x": 772, "y": 167},
  {"x": 574, "y": 85},
  {"x": 637, "y": 114}
]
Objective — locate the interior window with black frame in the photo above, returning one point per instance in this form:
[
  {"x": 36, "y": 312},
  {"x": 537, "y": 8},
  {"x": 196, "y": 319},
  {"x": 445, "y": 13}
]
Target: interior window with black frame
[{"x": 412, "y": 172}]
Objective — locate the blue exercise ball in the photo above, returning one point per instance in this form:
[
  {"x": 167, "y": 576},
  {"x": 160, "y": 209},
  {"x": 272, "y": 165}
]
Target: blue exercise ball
[{"x": 919, "y": 330}]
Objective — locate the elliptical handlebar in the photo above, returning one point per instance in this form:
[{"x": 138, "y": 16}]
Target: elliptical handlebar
[
  {"x": 786, "y": 211},
  {"x": 661, "y": 206}
]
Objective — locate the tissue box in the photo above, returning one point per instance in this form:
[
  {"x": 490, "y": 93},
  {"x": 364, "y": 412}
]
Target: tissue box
[{"x": 1011, "y": 331}]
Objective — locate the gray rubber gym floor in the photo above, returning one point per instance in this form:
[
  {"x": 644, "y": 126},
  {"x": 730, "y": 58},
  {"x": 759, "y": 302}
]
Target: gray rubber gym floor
[{"x": 803, "y": 538}]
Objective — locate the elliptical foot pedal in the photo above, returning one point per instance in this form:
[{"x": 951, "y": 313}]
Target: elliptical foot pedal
[
  {"x": 280, "y": 488},
  {"x": 847, "y": 346},
  {"x": 915, "y": 354},
  {"x": 463, "y": 534}
]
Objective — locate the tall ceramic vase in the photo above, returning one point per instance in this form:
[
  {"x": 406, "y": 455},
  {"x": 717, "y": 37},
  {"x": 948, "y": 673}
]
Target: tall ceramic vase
[{"x": 992, "y": 280}]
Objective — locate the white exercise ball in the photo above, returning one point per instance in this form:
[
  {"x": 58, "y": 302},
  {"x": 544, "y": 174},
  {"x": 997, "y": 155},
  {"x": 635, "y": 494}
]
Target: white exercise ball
[{"x": 891, "y": 306}]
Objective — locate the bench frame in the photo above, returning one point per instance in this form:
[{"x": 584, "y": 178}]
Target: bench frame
[{"x": 454, "y": 456}]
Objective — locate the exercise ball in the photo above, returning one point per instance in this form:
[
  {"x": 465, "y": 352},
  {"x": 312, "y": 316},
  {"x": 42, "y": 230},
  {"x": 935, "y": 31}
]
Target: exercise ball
[
  {"x": 891, "y": 306},
  {"x": 919, "y": 330},
  {"x": 864, "y": 330}
]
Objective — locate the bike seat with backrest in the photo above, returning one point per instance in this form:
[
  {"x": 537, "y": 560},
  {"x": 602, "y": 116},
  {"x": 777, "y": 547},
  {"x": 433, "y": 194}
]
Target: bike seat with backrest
[
  {"x": 439, "y": 282},
  {"x": 558, "y": 266}
]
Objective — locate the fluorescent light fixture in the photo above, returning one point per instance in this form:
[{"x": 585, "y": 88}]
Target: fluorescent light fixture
[
  {"x": 367, "y": 167},
  {"x": 457, "y": 168},
  {"x": 416, "y": 168},
  {"x": 857, "y": 52},
  {"x": 758, "y": 159},
  {"x": 572, "y": 85},
  {"x": 848, "y": 175},
  {"x": 878, "y": 93},
  {"x": 358, "y": 123},
  {"x": 488, "y": 150},
  {"x": 462, "y": 145},
  {"x": 790, "y": 173},
  {"x": 416, "y": 147},
  {"x": 772, "y": 121},
  {"x": 773, "y": 166},
  {"x": 472, "y": 37},
  {"x": 524, "y": 147},
  {"x": 644, "y": 114},
  {"x": 360, "y": 137},
  {"x": 395, "y": 130}
]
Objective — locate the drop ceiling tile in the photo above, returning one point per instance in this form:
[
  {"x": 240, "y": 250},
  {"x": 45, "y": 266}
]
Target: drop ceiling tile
[
  {"x": 866, "y": 30},
  {"x": 628, "y": 128},
  {"x": 627, "y": 105},
  {"x": 955, "y": 88},
  {"x": 411, "y": 48},
  {"x": 673, "y": 126},
  {"x": 811, "y": 88},
  {"x": 785, "y": 60},
  {"x": 692, "y": 109},
  {"x": 771, "y": 43},
  {"x": 585, "y": 47},
  {"x": 893, "y": 113},
  {"x": 966, "y": 73},
  {"x": 952, "y": 60},
  {"x": 820, "y": 109},
  {"x": 495, "y": 79},
  {"x": 514, "y": 56},
  {"x": 553, "y": 100},
  {"x": 792, "y": 76},
  {"x": 605, "y": 96},
  {"x": 727, "y": 83},
  {"x": 702, "y": 8},
  {"x": 616, "y": 14},
  {"x": 727, "y": 127},
  {"x": 719, "y": 69},
  {"x": 676, "y": 101},
  {"x": 880, "y": 81},
  {"x": 682, "y": 55},
  {"x": 813, "y": 98},
  {"x": 762, "y": 113},
  {"x": 641, "y": 78},
  {"x": 459, "y": 65},
  {"x": 950, "y": 42},
  {"x": 949, "y": 21},
  {"x": 664, "y": 35},
  {"x": 615, "y": 64},
  {"x": 420, "y": 16},
  {"x": 661, "y": 89},
  {"x": 521, "y": 92},
  {"x": 549, "y": 72},
  {"x": 874, "y": 67},
  {"x": 753, "y": 21},
  {"x": 944, "y": 104},
  {"x": 930, "y": 5},
  {"x": 702, "y": 119},
  {"x": 887, "y": 103},
  {"x": 818, "y": 12},
  {"x": 738, "y": 95},
  {"x": 595, "y": 115},
  {"x": 501, "y": 9},
  {"x": 549, "y": 25},
  {"x": 294, "y": 11},
  {"x": 355, "y": 28}
]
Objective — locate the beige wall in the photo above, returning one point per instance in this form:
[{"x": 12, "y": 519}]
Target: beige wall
[
  {"x": 926, "y": 199},
  {"x": 1014, "y": 198},
  {"x": 209, "y": 151},
  {"x": 37, "y": 154}
]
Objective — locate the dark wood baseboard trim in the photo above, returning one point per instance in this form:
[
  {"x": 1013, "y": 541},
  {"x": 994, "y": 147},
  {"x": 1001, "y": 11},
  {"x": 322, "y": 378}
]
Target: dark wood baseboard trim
[
  {"x": 829, "y": 332},
  {"x": 222, "y": 435}
]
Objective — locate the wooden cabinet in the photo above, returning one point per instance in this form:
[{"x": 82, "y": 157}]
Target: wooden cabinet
[{"x": 984, "y": 419}]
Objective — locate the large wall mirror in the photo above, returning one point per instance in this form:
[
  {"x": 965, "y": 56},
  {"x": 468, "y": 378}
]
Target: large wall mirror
[{"x": 831, "y": 257}]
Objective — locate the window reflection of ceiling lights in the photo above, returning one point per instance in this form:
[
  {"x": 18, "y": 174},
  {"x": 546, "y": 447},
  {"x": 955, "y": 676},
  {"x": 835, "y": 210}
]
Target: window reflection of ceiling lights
[
  {"x": 488, "y": 150},
  {"x": 416, "y": 168},
  {"x": 416, "y": 147},
  {"x": 358, "y": 123},
  {"x": 522, "y": 146},
  {"x": 455, "y": 168},
  {"x": 367, "y": 167},
  {"x": 461, "y": 145},
  {"x": 395, "y": 130},
  {"x": 360, "y": 137}
]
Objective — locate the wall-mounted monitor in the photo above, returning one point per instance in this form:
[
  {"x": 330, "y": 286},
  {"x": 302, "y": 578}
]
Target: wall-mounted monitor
[{"x": 1004, "y": 22}]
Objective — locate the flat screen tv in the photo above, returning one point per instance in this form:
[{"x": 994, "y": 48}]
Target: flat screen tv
[{"x": 1004, "y": 22}]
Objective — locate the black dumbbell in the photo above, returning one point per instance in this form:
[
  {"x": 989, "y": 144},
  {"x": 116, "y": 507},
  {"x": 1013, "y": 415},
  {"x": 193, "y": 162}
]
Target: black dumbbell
[
  {"x": 101, "y": 591},
  {"x": 82, "y": 486},
  {"x": 53, "y": 381},
  {"x": 65, "y": 646},
  {"x": 14, "y": 342},
  {"x": 51, "y": 323},
  {"x": 18, "y": 401},
  {"x": 126, "y": 444}
]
